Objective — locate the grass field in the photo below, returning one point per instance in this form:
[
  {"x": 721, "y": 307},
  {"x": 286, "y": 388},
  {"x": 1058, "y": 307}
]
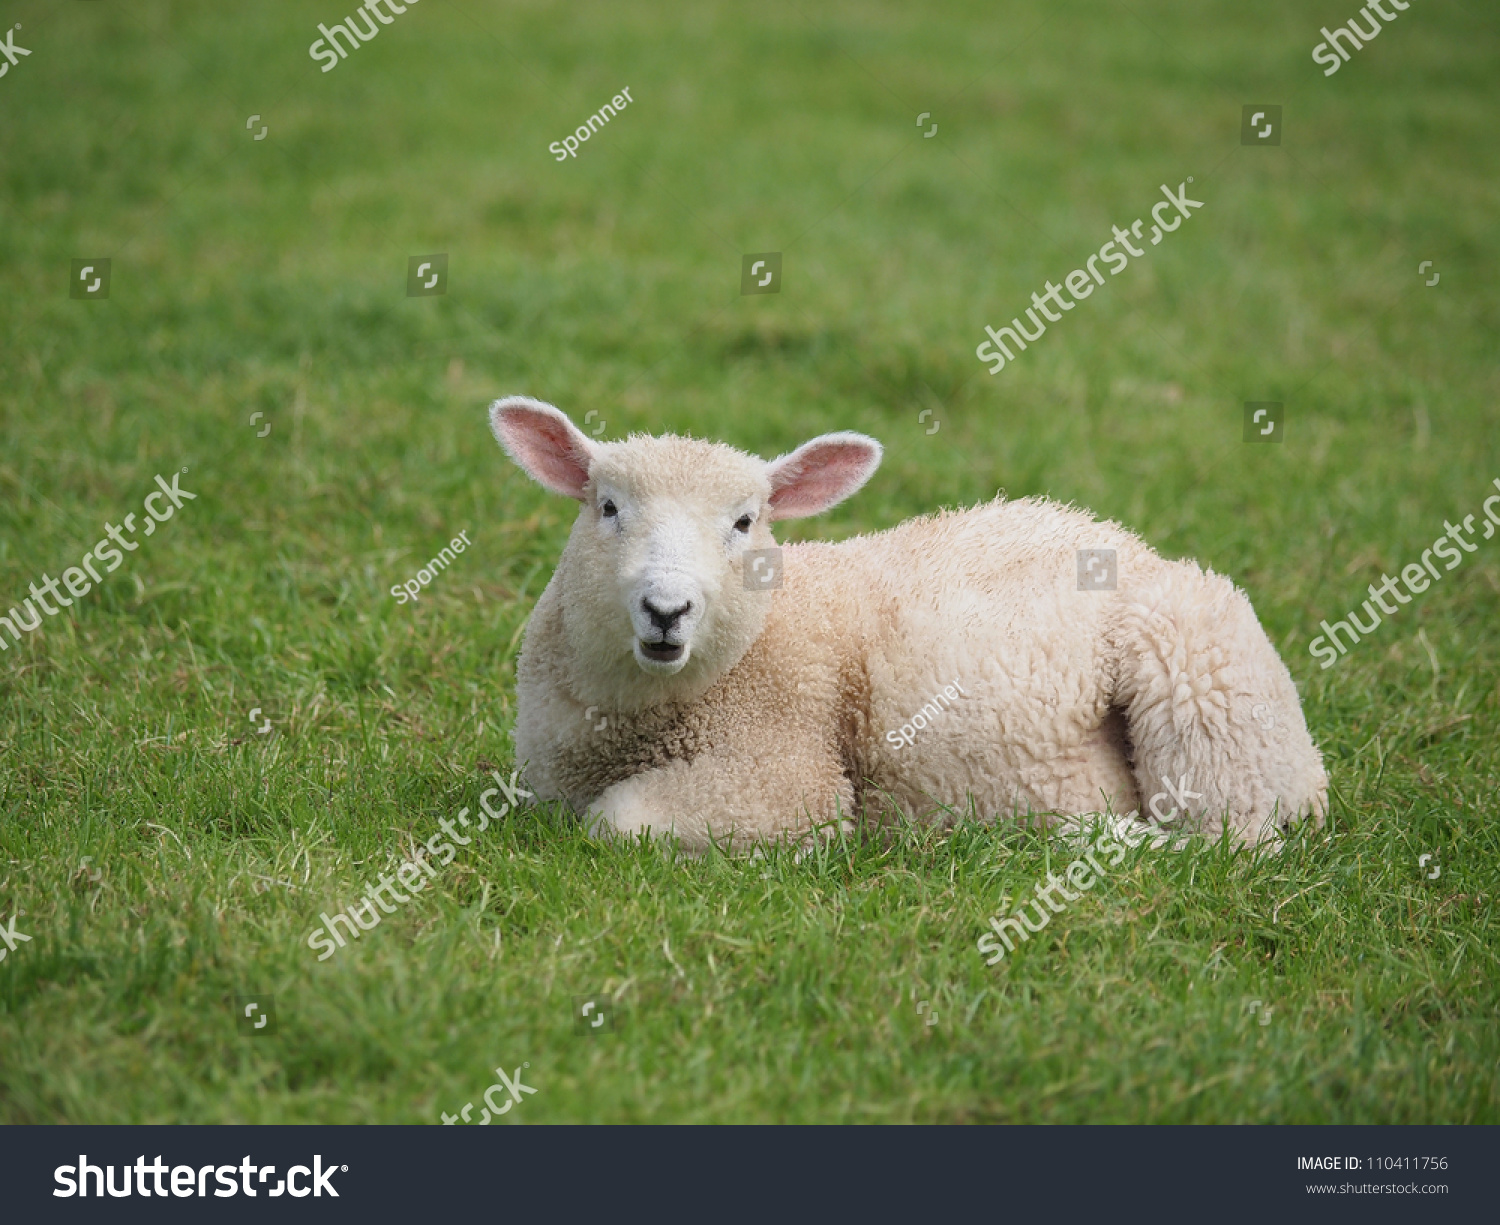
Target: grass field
[{"x": 269, "y": 276}]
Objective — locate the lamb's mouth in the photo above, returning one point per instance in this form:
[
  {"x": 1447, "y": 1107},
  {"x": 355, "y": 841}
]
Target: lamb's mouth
[{"x": 661, "y": 652}]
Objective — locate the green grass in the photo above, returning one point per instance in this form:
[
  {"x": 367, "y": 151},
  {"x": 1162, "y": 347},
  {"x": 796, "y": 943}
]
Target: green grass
[{"x": 269, "y": 277}]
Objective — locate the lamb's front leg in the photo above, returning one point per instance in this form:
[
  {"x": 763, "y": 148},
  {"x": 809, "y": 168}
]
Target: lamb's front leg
[{"x": 732, "y": 800}]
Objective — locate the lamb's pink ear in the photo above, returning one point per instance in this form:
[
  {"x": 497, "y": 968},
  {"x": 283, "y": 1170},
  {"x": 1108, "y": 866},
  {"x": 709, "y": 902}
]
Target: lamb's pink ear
[
  {"x": 550, "y": 448},
  {"x": 821, "y": 473}
]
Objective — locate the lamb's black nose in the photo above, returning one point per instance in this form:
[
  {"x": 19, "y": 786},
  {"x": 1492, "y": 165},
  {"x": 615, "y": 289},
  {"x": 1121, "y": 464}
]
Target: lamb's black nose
[{"x": 664, "y": 619}]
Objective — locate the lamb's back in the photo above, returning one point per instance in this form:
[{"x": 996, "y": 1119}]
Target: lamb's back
[{"x": 985, "y": 601}]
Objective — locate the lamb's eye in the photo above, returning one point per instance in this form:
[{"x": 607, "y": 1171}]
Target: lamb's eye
[
  {"x": 608, "y": 509},
  {"x": 743, "y": 523}
]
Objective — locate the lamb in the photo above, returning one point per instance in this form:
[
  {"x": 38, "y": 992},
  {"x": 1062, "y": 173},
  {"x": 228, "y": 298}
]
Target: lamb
[{"x": 664, "y": 689}]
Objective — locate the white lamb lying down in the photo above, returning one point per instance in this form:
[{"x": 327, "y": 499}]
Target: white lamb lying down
[{"x": 953, "y": 659}]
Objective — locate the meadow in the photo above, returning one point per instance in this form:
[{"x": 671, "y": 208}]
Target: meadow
[{"x": 167, "y": 853}]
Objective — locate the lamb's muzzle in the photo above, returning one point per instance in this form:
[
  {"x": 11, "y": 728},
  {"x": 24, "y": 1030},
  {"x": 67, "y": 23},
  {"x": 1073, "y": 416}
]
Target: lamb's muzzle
[{"x": 666, "y": 649}]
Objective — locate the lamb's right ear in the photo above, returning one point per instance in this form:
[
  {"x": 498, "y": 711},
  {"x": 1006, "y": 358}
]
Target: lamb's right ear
[{"x": 549, "y": 448}]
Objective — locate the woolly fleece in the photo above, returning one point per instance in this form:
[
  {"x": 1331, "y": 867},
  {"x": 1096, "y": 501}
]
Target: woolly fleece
[{"x": 1079, "y": 701}]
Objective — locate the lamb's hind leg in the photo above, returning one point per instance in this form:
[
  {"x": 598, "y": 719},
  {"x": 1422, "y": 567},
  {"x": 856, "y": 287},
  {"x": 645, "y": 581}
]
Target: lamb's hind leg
[{"x": 1213, "y": 715}]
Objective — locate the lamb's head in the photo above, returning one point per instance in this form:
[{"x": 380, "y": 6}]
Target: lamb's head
[{"x": 652, "y": 581}]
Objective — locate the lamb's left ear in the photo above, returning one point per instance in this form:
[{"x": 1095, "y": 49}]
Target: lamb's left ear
[{"x": 821, "y": 473}]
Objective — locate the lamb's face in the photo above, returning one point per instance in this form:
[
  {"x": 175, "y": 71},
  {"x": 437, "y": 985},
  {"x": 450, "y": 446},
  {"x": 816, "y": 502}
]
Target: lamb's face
[
  {"x": 655, "y": 600},
  {"x": 661, "y": 539}
]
